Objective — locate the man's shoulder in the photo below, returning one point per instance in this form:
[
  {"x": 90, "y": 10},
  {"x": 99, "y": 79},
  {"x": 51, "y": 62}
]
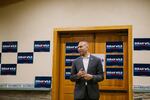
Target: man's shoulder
[
  {"x": 77, "y": 59},
  {"x": 95, "y": 58}
]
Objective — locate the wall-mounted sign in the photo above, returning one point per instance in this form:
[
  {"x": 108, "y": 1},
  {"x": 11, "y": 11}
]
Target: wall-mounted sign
[
  {"x": 41, "y": 46},
  {"x": 114, "y": 60},
  {"x": 114, "y": 73},
  {"x": 142, "y": 44},
  {"x": 42, "y": 82},
  {"x": 0, "y": 58},
  {"x": 8, "y": 69},
  {"x": 25, "y": 57},
  {"x": 116, "y": 46},
  {"x": 141, "y": 69},
  {"x": 72, "y": 47},
  {"x": 9, "y": 46},
  {"x": 67, "y": 73},
  {"x": 69, "y": 60}
]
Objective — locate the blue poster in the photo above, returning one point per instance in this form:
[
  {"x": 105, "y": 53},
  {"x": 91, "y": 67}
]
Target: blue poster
[
  {"x": 142, "y": 44},
  {"x": 9, "y": 46},
  {"x": 116, "y": 46},
  {"x": 8, "y": 69},
  {"x": 114, "y": 60},
  {"x": 25, "y": 57},
  {"x": 114, "y": 73},
  {"x": 0, "y": 58},
  {"x": 43, "y": 82},
  {"x": 69, "y": 60},
  {"x": 67, "y": 73},
  {"x": 141, "y": 69},
  {"x": 72, "y": 47},
  {"x": 41, "y": 46}
]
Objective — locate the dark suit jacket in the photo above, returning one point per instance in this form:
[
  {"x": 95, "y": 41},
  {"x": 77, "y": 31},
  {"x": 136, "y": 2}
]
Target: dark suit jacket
[{"x": 95, "y": 69}]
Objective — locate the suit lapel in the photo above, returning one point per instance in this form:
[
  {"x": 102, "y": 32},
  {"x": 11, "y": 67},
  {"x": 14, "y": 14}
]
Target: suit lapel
[{"x": 81, "y": 63}]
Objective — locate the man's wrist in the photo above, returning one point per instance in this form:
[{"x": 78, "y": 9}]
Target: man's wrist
[{"x": 91, "y": 76}]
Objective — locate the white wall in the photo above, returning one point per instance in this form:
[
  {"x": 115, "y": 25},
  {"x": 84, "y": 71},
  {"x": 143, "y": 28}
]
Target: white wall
[{"x": 32, "y": 20}]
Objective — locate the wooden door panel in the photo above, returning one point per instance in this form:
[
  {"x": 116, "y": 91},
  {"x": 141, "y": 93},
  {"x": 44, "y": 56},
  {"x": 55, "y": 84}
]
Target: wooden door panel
[
  {"x": 113, "y": 96},
  {"x": 100, "y": 47},
  {"x": 97, "y": 44},
  {"x": 68, "y": 96},
  {"x": 66, "y": 86}
]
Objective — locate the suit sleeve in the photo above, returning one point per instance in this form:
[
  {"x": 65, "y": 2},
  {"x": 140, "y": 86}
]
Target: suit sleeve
[
  {"x": 99, "y": 74},
  {"x": 74, "y": 72}
]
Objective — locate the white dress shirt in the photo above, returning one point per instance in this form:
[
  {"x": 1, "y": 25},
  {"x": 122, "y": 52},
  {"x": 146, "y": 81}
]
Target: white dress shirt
[{"x": 86, "y": 62}]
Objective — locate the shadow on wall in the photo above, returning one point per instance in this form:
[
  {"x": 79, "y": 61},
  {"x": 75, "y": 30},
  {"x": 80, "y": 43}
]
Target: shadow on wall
[{"x": 4, "y": 3}]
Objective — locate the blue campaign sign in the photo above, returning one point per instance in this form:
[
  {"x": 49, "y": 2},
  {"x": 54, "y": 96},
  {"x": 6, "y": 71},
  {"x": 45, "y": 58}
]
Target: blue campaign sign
[
  {"x": 114, "y": 60},
  {"x": 41, "y": 46},
  {"x": 67, "y": 73},
  {"x": 114, "y": 73},
  {"x": 25, "y": 57},
  {"x": 116, "y": 46},
  {"x": 72, "y": 47},
  {"x": 0, "y": 58},
  {"x": 8, "y": 69},
  {"x": 69, "y": 60},
  {"x": 9, "y": 46},
  {"x": 141, "y": 69},
  {"x": 43, "y": 82},
  {"x": 142, "y": 44}
]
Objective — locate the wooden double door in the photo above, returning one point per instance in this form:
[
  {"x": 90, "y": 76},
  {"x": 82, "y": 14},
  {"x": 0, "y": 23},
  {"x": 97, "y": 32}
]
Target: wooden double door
[{"x": 113, "y": 87}]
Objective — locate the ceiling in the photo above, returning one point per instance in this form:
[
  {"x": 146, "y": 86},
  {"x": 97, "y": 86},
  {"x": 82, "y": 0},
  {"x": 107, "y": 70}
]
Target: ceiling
[{"x": 4, "y": 3}]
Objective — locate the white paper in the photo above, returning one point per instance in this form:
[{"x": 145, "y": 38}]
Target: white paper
[{"x": 102, "y": 57}]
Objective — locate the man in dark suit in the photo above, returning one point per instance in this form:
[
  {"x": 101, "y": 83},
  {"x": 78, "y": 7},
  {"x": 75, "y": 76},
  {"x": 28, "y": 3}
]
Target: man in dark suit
[{"x": 86, "y": 72}]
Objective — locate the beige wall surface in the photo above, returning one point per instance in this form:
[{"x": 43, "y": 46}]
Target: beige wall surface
[{"x": 32, "y": 20}]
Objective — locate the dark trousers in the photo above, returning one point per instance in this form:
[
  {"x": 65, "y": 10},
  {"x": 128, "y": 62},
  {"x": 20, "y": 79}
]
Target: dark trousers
[{"x": 86, "y": 97}]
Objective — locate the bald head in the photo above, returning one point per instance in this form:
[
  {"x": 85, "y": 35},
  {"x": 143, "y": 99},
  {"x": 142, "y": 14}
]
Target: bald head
[{"x": 83, "y": 47}]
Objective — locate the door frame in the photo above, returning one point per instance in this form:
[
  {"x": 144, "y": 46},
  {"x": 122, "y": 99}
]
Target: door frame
[{"x": 56, "y": 54}]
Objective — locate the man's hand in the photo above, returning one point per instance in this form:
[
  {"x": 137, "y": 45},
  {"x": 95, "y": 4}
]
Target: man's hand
[
  {"x": 81, "y": 73},
  {"x": 88, "y": 76}
]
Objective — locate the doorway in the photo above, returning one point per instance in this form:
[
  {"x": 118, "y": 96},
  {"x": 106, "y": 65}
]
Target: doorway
[{"x": 99, "y": 38}]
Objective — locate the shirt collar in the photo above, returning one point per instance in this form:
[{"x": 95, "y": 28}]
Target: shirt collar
[{"x": 87, "y": 56}]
